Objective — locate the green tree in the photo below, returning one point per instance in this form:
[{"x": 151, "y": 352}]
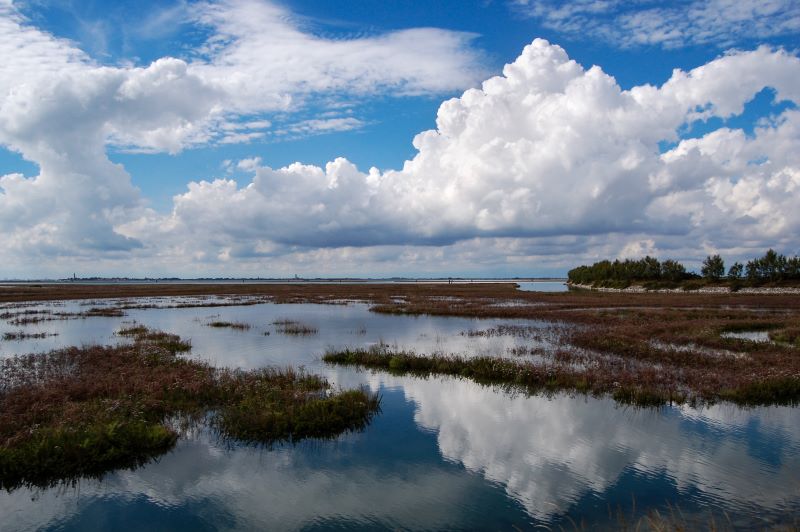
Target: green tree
[
  {"x": 713, "y": 267},
  {"x": 771, "y": 267},
  {"x": 793, "y": 268},
  {"x": 673, "y": 270},
  {"x": 736, "y": 270}
]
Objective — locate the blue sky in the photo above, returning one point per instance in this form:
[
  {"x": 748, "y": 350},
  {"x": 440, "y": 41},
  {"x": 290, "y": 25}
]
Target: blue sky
[{"x": 257, "y": 88}]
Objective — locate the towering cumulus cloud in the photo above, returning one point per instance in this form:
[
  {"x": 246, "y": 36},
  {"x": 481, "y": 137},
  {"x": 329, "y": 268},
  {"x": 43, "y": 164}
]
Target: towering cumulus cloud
[
  {"x": 548, "y": 159},
  {"x": 547, "y": 149}
]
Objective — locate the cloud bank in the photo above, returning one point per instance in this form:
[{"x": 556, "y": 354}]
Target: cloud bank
[
  {"x": 549, "y": 161},
  {"x": 547, "y": 150},
  {"x": 62, "y": 110}
]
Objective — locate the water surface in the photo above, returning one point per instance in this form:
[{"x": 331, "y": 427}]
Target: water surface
[
  {"x": 443, "y": 454},
  {"x": 544, "y": 286}
]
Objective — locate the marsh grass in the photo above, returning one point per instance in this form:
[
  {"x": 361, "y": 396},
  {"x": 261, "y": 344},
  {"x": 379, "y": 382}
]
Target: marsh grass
[
  {"x": 240, "y": 326},
  {"x": 143, "y": 336},
  {"x": 133, "y": 331},
  {"x": 631, "y": 344},
  {"x": 110, "y": 312},
  {"x": 515, "y": 375},
  {"x": 34, "y": 316},
  {"x": 22, "y": 335},
  {"x": 789, "y": 335},
  {"x": 81, "y": 412},
  {"x": 24, "y": 317},
  {"x": 29, "y": 320},
  {"x": 292, "y": 327},
  {"x": 625, "y": 364}
]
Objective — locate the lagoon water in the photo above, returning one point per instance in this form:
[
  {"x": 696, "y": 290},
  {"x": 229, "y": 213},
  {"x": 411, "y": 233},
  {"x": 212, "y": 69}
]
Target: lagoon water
[
  {"x": 443, "y": 453},
  {"x": 543, "y": 286}
]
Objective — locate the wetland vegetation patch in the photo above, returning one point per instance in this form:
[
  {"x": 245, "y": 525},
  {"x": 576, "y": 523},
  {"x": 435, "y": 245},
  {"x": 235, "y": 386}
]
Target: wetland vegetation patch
[
  {"x": 229, "y": 325},
  {"x": 22, "y": 335},
  {"x": 646, "y": 358},
  {"x": 79, "y": 412},
  {"x": 293, "y": 327}
]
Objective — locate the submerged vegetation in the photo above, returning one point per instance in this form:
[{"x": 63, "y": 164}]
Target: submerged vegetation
[
  {"x": 230, "y": 325},
  {"x": 292, "y": 327},
  {"x": 84, "y": 411},
  {"x": 22, "y": 335}
]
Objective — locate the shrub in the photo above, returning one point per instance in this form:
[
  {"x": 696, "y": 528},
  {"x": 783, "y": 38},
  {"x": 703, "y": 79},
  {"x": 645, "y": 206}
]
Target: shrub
[{"x": 713, "y": 267}]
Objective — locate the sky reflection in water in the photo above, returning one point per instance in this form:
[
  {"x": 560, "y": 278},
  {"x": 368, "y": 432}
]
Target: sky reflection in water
[{"x": 444, "y": 453}]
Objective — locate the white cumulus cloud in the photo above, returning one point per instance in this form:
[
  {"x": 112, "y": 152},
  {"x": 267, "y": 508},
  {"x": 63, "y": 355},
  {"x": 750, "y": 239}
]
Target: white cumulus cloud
[
  {"x": 61, "y": 110},
  {"x": 547, "y": 150},
  {"x": 549, "y": 161}
]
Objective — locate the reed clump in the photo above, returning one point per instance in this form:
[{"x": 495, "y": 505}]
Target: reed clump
[
  {"x": 79, "y": 412},
  {"x": 230, "y": 325},
  {"x": 22, "y": 335},
  {"x": 143, "y": 336},
  {"x": 293, "y": 327},
  {"x": 109, "y": 312}
]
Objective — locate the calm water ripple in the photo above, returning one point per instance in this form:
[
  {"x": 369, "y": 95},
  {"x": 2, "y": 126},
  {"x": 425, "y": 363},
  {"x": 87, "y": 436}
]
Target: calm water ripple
[{"x": 444, "y": 453}]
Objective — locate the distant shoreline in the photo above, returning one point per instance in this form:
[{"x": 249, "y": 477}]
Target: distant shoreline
[
  {"x": 639, "y": 289},
  {"x": 319, "y": 280},
  {"x": 285, "y": 291}
]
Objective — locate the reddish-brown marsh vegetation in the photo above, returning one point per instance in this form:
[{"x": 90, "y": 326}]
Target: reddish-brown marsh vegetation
[
  {"x": 635, "y": 346},
  {"x": 84, "y": 411}
]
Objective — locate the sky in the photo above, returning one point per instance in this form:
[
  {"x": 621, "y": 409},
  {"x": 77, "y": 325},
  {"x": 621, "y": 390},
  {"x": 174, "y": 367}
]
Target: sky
[{"x": 367, "y": 138}]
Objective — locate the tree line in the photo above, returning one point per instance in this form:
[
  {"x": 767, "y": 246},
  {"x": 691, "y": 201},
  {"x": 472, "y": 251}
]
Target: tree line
[{"x": 771, "y": 267}]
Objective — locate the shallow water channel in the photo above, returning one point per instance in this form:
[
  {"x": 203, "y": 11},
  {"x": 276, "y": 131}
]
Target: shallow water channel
[{"x": 443, "y": 453}]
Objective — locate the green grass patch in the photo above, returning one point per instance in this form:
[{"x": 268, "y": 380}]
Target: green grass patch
[
  {"x": 771, "y": 391},
  {"x": 88, "y": 449},
  {"x": 788, "y": 335}
]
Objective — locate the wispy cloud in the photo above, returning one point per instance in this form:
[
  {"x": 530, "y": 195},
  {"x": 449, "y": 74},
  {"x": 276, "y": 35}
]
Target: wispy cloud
[
  {"x": 669, "y": 24},
  {"x": 317, "y": 126}
]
